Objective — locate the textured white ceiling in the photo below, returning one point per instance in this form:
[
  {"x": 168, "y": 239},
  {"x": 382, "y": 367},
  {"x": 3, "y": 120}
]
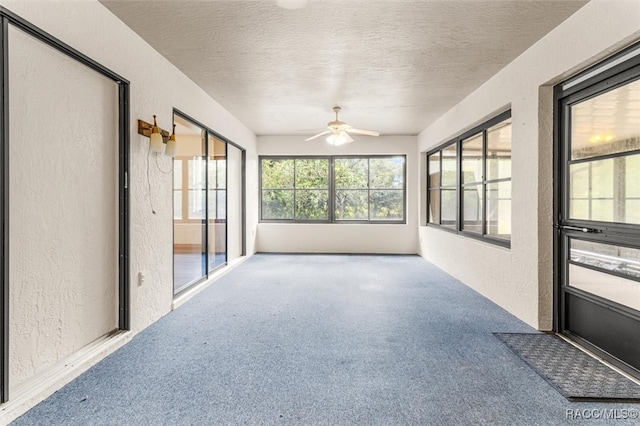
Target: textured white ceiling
[{"x": 394, "y": 66}]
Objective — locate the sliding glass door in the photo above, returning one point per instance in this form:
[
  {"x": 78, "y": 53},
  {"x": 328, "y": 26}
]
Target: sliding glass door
[
  {"x": 217, "y": 190},
  {"x": 189, "y": 198},
  {"x": 199, "y": 203}
]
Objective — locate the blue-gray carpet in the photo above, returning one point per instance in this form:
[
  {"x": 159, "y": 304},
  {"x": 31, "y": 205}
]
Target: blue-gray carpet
[{"x": 322, "y": 339}]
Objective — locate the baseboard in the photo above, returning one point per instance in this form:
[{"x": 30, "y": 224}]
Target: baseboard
[{"x": 49, "y": 381}]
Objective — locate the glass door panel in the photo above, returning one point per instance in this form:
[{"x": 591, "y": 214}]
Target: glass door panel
[
  {"x": 606, "y": 124},
  {"x": 189, "y": 198},
  {"x": 609, "y": 271},
  {"x": 605, "y": 190},
  {"x": 599, "y": 217},
  {"x": 217, "y": 202}
]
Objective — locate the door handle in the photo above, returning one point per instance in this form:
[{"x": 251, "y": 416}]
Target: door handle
[{"x": 578, "y": 228}]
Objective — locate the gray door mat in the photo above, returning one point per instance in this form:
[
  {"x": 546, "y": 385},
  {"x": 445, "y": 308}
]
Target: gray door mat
[{"x": 573, "y": 373}]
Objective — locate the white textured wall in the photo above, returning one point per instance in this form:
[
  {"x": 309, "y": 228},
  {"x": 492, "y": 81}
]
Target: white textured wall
[
  {"x": 156, "y": 87},
  {"x": 63, "y": 207},
  {"x": 344, "y": 238},
  {"x": 234, "y": 202},
  {"x": 520, "y": 279}
]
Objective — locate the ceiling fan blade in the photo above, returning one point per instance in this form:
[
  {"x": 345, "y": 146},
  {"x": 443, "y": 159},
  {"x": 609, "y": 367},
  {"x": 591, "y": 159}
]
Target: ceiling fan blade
[
  {"x": 348, "y": 138},
  {"x": 362, "y": 132},
  {"x": 318, "y": 135}
]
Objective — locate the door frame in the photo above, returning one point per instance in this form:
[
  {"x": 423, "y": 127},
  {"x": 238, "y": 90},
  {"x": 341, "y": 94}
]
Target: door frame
[
  {"x": 7, "y": 19},
  {"x": 615, "y": 71}
]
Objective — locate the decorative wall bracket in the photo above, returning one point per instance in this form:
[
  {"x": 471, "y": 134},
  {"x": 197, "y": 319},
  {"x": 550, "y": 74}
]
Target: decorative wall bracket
[{"x": 144, "y": 129}]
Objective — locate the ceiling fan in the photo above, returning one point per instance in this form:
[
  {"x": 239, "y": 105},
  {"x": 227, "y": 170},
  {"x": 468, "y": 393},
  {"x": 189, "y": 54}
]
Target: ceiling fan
[{"x": 340, "y": 131}]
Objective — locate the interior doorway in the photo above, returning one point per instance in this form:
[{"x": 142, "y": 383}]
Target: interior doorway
[{"x": 64, "y": 206}]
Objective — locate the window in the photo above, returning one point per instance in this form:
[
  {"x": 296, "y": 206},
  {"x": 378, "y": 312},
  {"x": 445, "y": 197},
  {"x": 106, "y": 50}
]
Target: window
[
  {"x": 469, "y": 182},
  {"x": 349, "y": 189},
  {"x": 442, "y": 186},
  {"x": 369, "y": 189},
  {"x": 295, "y": 189}
]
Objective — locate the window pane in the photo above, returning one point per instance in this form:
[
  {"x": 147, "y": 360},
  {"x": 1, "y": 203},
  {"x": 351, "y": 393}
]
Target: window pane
[
  {"x": 472, "y": 159},
  {"x": 351, "y": 173},
  {"x": 632, "y": 211},
  {"x": 312, "y": 174},
  {"x": 617, "y": 289},
  {"x": 312, "y": 204},
  {"x": 605, "y": 190},
  {"x": 386, "y": 173},
  {"x": 606, "y": 124},
  {"x": 217, "y": 204},
  {"x": 449, "y": 165},
  {"x": 434, "y": 170},
  {"x": 196, "y": 173},
  {"x": 449, "y": 208},
  {"x": 277, "y": 204},
  {"x": 622, "y": 260},
  {"x": 602, "y": 210},
  {"x": 222, "y": 204},
  {"x": 196, "y": 204},
  {"x": 352, "y": 205},
  {"x": 472, "y": 209},
  {"x": 387, "y": 205},
  {"x": 499, "y": 209},
  {"x": 434, "y": 206},
  {"x": 608, "y": 257},
  {"x": 277, "y": 173},
  {"x": 580, "y": 176},
  {"x": 499, "y": 151},
  {"x": 221, "y": 174},
  {"x": 591, "y": 190},
  {"x": 632, "y": 176}
]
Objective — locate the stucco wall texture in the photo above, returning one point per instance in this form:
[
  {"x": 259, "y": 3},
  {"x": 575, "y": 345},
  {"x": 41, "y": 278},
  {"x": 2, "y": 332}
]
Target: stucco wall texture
[
  {"x": 520, "y": 279},
  {"x": 156, "y": 88},
  {"x": 63, "y": 207}
]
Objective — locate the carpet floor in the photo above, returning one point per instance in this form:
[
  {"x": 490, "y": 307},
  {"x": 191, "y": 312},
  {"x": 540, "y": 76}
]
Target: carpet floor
[{"x": 323, "y": 340}]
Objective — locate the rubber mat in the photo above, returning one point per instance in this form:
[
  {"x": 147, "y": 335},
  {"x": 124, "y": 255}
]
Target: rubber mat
[{"x": 575, "y": 374}]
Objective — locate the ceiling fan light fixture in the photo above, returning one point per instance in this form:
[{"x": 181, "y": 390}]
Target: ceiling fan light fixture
[
  {"x": 339, "y": 131},
  {"x": 338, "y": 139}
]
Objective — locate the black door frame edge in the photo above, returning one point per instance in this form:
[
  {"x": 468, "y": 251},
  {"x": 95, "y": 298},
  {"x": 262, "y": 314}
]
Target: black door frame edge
[{"x": 8, "y": 18}]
